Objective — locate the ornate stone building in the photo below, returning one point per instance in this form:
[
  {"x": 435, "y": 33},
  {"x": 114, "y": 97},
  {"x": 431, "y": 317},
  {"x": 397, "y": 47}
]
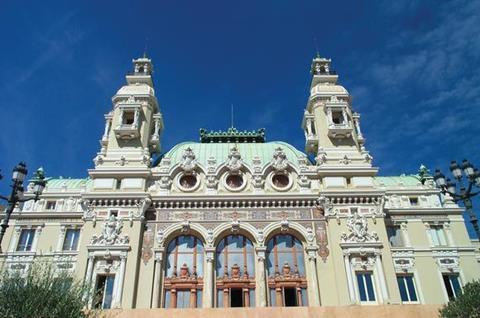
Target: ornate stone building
[{"x": 236, "y": 221}]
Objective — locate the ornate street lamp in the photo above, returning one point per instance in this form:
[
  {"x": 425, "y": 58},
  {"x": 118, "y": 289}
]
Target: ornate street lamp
[
  {"x": 16, "y": 196},
  {"x": 464, "y": 171}
]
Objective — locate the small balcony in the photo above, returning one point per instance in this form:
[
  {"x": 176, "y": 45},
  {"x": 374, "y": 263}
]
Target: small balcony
[
  {"x": 340, "y": 130},
  {"x": 127, "y": 132}
]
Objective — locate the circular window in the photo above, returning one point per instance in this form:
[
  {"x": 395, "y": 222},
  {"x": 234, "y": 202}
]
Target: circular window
[
  {"x": 234, "y": 181},
  {"x": 188, "y": 182},
  {"x": 280, "y": 180}
]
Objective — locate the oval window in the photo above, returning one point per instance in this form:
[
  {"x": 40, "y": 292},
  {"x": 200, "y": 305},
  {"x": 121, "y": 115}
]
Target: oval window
[
  {"x": 280, "y": 180},
  {"x": 188, "y": 181},
  {"x": 234, "y": 181}
]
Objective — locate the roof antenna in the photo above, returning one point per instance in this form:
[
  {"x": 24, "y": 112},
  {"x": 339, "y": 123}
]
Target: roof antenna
[
  {"x": 231, "y": 115},
  {"x": 145, "y": 49}
]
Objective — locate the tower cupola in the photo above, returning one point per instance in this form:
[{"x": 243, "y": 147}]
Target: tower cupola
[
  {"x": 142, "y": 71},
  {"x": 322, "y": 72}
]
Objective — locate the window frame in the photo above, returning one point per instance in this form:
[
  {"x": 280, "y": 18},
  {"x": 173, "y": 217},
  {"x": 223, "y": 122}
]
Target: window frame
[
  {"x": 75, "y": 237},
  {"x": 277, "y": 281},
  {"x": 433, "y": 232},
  {"x": 398, "y": 234},
  {"x": 415, "y": 288},
  {"x": 182, "y": 278},
  {"x": 102, "y": 302},
  {"x": 459, "y": 281},
  {"x": 30, "y": 236},
  {"x": 50, "y": 205},
  {"x": 246, "y": 281},
  {"x": 364, "y": 283}
]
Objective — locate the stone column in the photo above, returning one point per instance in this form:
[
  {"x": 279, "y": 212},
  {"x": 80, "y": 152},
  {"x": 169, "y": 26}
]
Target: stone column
[
  {"x": 312, "y": 255},
  {"x": 108, "y": 122},
  {"x": 260, "y": 281},
  {"x": 88, "y": 277},
  {"x": 381, "y": 276},
  {"x": 121, "y": 277},
  {"x": 136, "y": 119},
  {"x": 208, "y": 278},
  {"x": 348, "y": 271},
  {"x": 405, "y": 238},
  {"x": 448, "y": 232},
  {"x": 89, "y": 274},
  {"x": 356, "y": 121},
  {"x": 156, "y": 133},
  {"x": 329, "y": 117},
  {"x": 14, "y": 241},
  {"x": 61, "y": 238},
  {"x": 157, "y": 279},
  {"x": 345, "y": 116}
]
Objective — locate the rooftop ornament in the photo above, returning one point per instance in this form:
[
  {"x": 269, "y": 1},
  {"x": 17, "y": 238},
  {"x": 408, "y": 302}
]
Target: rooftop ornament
[
  {"x": 232, "y": 135},
  {"x": 464, "y": 193}
]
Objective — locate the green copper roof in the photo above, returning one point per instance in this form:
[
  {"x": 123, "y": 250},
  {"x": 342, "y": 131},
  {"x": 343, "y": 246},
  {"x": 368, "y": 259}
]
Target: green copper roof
[
  {"x": 397, "y": 181},
  {"x": 232, "y": 135},
  {"x": 70, "y": 184},
  {"x": 248, "y": 151}
]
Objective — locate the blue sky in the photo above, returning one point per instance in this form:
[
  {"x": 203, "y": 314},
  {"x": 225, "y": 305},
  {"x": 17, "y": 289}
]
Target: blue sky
[{"x": 411, "y": 66}]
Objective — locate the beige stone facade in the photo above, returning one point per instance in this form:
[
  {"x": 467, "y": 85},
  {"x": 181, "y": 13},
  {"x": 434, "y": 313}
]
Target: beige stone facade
[{"x": 236, "y": 221}]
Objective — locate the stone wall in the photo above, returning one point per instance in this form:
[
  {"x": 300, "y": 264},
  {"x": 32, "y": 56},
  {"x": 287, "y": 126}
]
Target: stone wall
[{"x": 391, "y": 311}]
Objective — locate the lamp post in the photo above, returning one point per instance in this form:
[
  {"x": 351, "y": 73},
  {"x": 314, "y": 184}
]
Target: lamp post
[
  {"x": 460, "y": 172},
  {"x": 16, "y": 196}
]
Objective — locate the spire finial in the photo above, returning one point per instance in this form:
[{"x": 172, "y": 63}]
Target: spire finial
[
  {"x": 231, "y": 115},
  {"x": 316, "y": 46},
  {"x": 145, "y": 49}
]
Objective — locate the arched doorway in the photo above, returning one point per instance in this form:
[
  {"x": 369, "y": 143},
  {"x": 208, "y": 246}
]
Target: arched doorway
[
  {"x": 183, "y": 284},
  {"x": 235, "y": 268},
  {"x": 287, "y": 280}
]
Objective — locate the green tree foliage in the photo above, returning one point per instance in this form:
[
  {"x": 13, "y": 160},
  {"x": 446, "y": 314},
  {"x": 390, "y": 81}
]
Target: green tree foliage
[
  {"x": 466, "y": 305},
  {"x": 42, "y": 292}
]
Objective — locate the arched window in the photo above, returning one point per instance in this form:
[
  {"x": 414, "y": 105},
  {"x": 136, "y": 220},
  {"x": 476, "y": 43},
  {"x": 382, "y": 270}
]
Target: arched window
[
  {"x": 235, "y": 272},
  {"x": 287, "y": 281},
  {"x": 184, "y": 273}
]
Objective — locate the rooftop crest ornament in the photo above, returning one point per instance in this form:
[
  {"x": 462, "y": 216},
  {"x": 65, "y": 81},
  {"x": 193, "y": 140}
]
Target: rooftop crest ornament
[
  {"x": 279, "y": 161},
  {"x": 234, "y": 162},
  {"x": 189, "y": 162}
]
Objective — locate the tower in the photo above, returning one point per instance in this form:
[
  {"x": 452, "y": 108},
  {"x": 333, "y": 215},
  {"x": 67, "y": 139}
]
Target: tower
[
  {"x": 332, "y": 128},
  {"x": 132, "y": 131}
]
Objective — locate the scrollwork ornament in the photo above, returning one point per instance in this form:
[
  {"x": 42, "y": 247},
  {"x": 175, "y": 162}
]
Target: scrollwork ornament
[
  {"x": 358, "y": 228},
  {"x": 110, "y": 235}
]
